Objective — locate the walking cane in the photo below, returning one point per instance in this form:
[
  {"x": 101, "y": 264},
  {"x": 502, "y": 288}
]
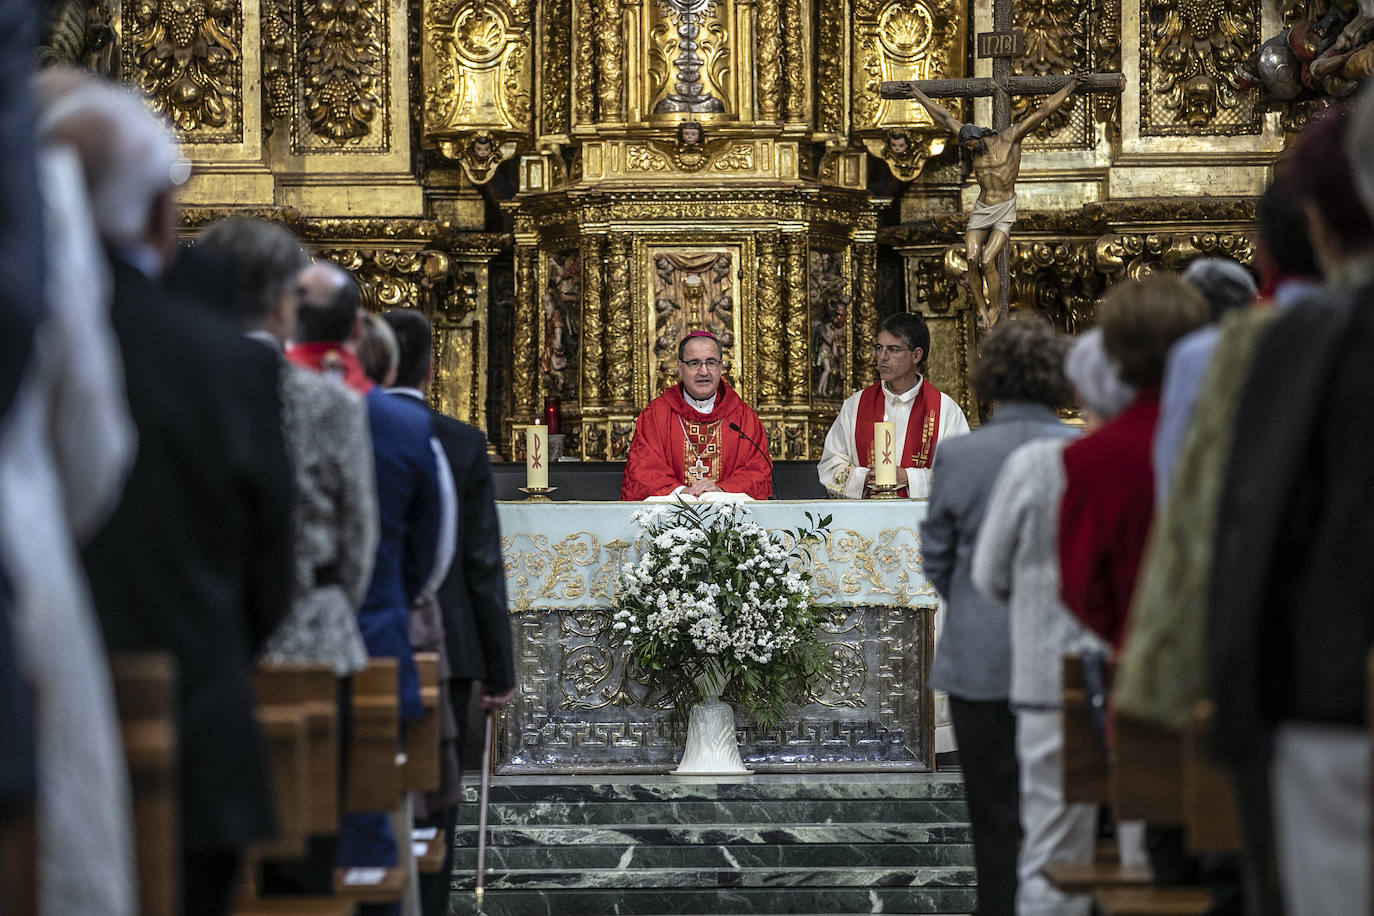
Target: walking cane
[{"x": 490, "y": 731}]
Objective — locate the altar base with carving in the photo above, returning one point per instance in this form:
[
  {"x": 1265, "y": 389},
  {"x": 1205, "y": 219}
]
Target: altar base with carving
[{"x": 579, "y": 710}]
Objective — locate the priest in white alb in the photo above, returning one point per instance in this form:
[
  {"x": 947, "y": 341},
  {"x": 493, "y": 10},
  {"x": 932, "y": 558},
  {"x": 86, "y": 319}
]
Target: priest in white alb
[{"x": 922, "y": 417}]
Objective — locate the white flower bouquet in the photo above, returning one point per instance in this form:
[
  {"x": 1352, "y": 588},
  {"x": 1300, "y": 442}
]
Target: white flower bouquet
[{"x": 715, "y": 596}]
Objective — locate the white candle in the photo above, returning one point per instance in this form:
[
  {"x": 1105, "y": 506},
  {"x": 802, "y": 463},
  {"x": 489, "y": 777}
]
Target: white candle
[
  {"x": 537, "y": 457},
  {"x": 884, "y": 453}
]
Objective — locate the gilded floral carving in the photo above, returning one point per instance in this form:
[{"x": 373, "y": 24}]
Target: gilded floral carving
[
  {"x": 185, "y": 56},
  {"x": 343, "y": 72},
  {"x": 278, "y": 60},
  {"x": 557, "y": 66},
  {"x": 1190, "y": 55},
  {"x": 1056, "y": 43},
  {"x": 692, "y": 290}
]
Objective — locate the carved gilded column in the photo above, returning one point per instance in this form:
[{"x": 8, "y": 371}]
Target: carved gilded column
[
  {"x": 865, "y": 308},
  {"x": 557, "y": 84},
  {"x": 796, "y": 70},
  {"x": 593, "y": 344},
  {"x": 770, "y": 65},
  {"x": 584, "y": 96},
  {"x": 610, "y": 52},
  {"x": 526, "y": 395},
  {"x": 798, "y": 321},
  {"x": 619, "y": 324},
  {"x": 771, "y": 325}
]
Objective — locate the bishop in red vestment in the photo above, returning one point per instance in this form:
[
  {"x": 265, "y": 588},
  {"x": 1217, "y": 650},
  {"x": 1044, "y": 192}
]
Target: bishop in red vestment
[{"x": 684, "y": 439}]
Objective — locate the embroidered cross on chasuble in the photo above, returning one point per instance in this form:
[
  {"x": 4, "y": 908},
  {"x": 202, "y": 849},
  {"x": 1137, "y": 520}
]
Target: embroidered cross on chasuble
[{"x": 701, "y": 451}]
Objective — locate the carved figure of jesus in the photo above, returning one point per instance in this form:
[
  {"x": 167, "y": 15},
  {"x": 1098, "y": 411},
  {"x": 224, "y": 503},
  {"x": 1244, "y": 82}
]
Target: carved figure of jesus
[{"x": 996, "y": 163}]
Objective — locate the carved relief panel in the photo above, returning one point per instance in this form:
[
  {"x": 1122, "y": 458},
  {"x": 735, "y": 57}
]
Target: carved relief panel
[
  {"x": 691, "y": 289},
  {"x": 559, "y": 307},
  {"x": 187, "y": 58},
  {"x": 901, "y": 40},
  {"x": 1057, "y": 42},
  {"x": 1190, "y": 56},
  {"x": 344, "y": 81},
  {"x": 476, "y": 61},
  {"x": 830, "y": 300}
]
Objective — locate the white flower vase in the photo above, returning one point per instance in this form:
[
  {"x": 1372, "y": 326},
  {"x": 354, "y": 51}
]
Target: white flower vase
[{"x": 711, "y": 746}]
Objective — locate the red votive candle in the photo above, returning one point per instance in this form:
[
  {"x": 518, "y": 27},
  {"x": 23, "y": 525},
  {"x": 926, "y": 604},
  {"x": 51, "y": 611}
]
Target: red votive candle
[{"x": 551, "y": 418}]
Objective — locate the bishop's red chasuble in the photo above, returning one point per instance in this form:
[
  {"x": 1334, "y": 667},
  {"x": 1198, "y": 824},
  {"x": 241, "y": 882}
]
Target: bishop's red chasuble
[
  {"x": 675, "y": 445},
  {"x": 922, "y": 428}
]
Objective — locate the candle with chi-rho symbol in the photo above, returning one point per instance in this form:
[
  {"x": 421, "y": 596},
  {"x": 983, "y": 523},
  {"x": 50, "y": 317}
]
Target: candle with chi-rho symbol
[
  {"x": 885, "y": 453},
  {"x": 537, "y": 456}
]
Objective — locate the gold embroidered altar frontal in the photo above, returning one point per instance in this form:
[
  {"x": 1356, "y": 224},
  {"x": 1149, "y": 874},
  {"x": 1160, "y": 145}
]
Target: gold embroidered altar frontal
[{"x": 578, "y": 709}]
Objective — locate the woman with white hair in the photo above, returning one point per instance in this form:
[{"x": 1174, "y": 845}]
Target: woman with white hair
[{"x": 1015, "y": 564}]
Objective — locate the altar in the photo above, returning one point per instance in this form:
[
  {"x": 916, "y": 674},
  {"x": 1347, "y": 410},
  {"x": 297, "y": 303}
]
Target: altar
[{"x": 577, "y": 708}]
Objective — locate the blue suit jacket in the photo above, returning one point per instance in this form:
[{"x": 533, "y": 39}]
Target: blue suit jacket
[{"x": 408, "y": 516}]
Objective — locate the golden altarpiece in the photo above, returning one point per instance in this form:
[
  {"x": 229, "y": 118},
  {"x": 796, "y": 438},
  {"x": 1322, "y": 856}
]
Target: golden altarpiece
[{"x": 566, "y": 186}]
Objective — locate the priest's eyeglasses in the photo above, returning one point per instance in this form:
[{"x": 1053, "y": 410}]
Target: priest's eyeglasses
[
  {"x": 695, "y": 364},
  {"x": 879, "y": 350}
]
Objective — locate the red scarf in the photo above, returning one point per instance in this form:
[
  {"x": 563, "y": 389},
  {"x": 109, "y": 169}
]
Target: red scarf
[
  {"x": 331, "y": 359},
  {"x": 922, "y": 428}
]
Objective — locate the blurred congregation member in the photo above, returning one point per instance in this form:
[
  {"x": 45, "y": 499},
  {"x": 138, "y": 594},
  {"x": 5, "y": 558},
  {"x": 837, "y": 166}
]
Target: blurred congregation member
[
  {"x": 1015, "y": 565},
  {"x": 416, "y": 532},
  {"x": 472, "y": 597},
  {"x": 377, "y": 351},
  {"x": 1289, "y": 625},
  {"x": 1162, "y": 671},
  {"x": 246, "y": 270},
  {"x": 196, "y": 558},
  {"x": 66, "y": 443},
  {"x": 1020, "y": 372},
  {"x": 1108, "y": 479},
  {"x": 1225, "y": 285}
]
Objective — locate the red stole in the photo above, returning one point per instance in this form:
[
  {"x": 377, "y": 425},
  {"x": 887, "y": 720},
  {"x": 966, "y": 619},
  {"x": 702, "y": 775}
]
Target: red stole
[{"x": 922, "y": 427}]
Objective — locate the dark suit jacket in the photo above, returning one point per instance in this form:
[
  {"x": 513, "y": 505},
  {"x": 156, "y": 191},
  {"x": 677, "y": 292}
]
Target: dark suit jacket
[
  {"x": 473, "y": 595},
  {"x": 1275, "y": 644},
  {"x": 196, "y": 559},
  {"x": 408, "y": 519}
]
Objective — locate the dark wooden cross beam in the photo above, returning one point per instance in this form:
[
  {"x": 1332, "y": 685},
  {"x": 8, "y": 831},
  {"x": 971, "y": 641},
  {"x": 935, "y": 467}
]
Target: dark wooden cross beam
[{"x": 1002, "y": 86}]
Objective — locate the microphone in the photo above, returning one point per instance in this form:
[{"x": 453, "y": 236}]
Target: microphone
[{"x": 735, "y": 427}]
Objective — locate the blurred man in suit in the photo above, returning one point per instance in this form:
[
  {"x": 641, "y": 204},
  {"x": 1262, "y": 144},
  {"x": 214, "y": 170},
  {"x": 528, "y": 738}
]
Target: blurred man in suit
[
  {"x": 414, "y": 541},
  {"x": 196, "y": 558},
  {"x": 473, "y": 595}
]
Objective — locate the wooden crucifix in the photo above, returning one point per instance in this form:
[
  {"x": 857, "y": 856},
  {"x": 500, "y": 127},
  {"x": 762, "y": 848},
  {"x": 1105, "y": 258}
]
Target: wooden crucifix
[{"x": 997, "y": 152}]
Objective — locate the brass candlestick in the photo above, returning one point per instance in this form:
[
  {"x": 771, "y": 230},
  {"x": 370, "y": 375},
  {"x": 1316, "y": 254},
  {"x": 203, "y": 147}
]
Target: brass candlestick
[
  {"x": 537, "y": 494},
  {"x": 884, "y": 491}
]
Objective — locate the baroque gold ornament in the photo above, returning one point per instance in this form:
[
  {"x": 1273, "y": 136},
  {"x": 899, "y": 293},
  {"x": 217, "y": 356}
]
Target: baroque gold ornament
[
  {"x": 186, "y": 56},
  {"x": 342, "y": 67}
]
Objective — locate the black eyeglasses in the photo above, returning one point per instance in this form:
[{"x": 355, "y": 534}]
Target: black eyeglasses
[
  {"x": 695, "y": 364},
  {"x": 879, "y": 350}
]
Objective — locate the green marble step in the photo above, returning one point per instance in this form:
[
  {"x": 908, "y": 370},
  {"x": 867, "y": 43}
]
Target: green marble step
[
  {"x": 793, "y": 811},
  {"x": 719, "y": 835},
  {"x": 908, "y": 855},
  {"x": 626, "y": 879},
  {"x": 688, "y": 789},
  {"x": 739, "y": 901}
]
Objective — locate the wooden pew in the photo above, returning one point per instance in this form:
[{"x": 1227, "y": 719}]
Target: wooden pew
[
  {"x": 19, "y": 862},
  {"x": 145, "y": 694},
  {"x": 423, "y": 767},
  {"x": 1209, "y": 803},
  {"x": 285, "y": 726},
  {"x": 1085, "y": 762},
  {"x": 375, "y": 777}
]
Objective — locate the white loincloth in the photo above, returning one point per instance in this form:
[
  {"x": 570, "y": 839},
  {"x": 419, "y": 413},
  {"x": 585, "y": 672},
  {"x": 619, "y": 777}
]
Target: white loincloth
[{"x": 993, "y": 216}]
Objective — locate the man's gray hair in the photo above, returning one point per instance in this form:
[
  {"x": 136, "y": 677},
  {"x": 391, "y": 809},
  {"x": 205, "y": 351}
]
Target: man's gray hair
[
  {"x": 266, "y": 258},
  {"x": 1094, "y": 377},
  {"x": 1223, "y": 283},
  {"x": 129, "y": 155}
]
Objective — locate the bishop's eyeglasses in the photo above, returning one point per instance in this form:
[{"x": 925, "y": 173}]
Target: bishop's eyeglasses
[{"x": 695, "y": 364}]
